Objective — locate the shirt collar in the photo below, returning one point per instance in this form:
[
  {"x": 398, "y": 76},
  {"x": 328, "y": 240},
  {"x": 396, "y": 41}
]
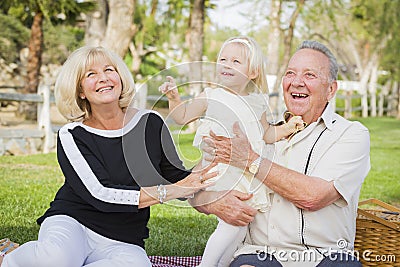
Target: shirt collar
[{"x": 327, "y": 116}]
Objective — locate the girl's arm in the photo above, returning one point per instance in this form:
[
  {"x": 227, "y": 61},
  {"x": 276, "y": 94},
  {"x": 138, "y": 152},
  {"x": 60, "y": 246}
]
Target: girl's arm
[
  {"x": 183, "y": 112},
  {"x": 274, "y": 133}
]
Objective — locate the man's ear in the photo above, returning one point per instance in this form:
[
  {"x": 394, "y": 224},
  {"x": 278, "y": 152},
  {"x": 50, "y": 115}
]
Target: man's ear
[{"x": 332, "y": 90}]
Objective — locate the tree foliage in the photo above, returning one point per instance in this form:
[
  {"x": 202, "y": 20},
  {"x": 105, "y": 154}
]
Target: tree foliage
[
  {"x": 378, "y": 26},
  {"x": 59, "y": 41},
  {"x": 163, "y": 25},
  {"x": 379, "y": 22},
  {"x": 13, "y": 38},
  {"x": 31, "y": 13}
]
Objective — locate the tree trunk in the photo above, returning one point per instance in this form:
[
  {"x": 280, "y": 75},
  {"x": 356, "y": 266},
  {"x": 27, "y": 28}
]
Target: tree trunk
[
  {"x": 35, "y": 54},
  {"x": 354, "y": 51},
  {"x": 274, "y": 38},
  {"x": 392, "y": 101},
  {"x": 398, "y": 100},
  {"x": 138, "y": 53},
  {"x": 287, "y": 44},
  {"x": 136, "y": 58},
  {"x": 96, "y": 24},
  {"x": 384, "y": 93},
  {"x": 366, "y": 73},
  {"x": 120, "y": 27},
  {"x": 27, "y": 110},
  {"x": 348, "y": 108},
  {"x": 372, "y": 88},
  {"x": 136, "y": 47},
  {"x": 154, "y": 5},
  {"x": 196, "y": 40}
]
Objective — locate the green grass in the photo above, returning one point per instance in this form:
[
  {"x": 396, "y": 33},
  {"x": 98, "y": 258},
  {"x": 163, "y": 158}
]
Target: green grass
[
  {"x": 177, "y": 230},
  {"x": 383, "y": 180},
  {"x": 29, "y": 183}
]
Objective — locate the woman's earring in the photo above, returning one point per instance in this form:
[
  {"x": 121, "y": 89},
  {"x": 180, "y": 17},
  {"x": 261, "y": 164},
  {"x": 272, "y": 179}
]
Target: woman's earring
[{"x": 83, "y": 97}]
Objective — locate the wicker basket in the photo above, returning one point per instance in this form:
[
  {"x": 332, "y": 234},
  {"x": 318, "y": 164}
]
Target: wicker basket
[{"x": 378, "y": 234}]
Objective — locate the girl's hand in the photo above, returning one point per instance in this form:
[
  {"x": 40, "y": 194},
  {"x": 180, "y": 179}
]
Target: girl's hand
[
  {"x": 196, "y": 181},
  {"x": 170, "y": 89},
  {"x": 295, "y": 124}
]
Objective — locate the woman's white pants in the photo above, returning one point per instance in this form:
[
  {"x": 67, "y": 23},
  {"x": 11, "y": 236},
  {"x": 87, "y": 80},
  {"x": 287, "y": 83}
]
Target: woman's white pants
[{"x": 64, "y": 242}]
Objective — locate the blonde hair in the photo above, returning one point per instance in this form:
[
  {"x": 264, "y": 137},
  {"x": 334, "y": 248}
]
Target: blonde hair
[
  {"x": 256, "y": 62},
  {"x": 68, "y": 84}
]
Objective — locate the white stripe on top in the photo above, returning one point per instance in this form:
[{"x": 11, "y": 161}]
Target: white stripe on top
[{"x": 85, "y": 173}]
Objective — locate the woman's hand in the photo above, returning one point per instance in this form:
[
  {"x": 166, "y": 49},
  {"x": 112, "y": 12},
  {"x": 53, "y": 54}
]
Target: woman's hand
[
  {"x": 185, "y": 188},
  {"x": 196, "y": 181},
  {"x": 170, "y": 89},
  {"x": 235, "y": 151}
]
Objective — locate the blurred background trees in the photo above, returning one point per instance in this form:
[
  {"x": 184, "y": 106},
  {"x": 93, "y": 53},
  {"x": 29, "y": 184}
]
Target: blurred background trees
[{"x": 153, "y": 35}]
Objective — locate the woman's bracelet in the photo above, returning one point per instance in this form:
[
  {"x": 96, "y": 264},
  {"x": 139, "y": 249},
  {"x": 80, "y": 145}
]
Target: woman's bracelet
[{"x": 162, "y": 193}]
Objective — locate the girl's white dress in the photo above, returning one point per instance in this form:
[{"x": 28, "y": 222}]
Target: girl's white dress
[{"x": 225, "y": 108}]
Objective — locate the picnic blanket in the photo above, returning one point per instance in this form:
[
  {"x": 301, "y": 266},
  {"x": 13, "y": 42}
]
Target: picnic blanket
[{"x": 174, "y": 261}]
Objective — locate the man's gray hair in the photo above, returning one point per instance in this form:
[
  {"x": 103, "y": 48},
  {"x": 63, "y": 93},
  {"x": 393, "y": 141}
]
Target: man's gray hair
[{"x": 317, "y": 46}]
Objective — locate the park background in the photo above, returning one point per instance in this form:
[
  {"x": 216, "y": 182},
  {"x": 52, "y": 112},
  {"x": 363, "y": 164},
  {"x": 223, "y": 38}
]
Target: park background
[{"x": 154, "y": 36}]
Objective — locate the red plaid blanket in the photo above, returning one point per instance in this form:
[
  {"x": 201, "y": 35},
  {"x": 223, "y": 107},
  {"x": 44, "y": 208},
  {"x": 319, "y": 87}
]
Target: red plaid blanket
[{"x": 174, "y": 261}]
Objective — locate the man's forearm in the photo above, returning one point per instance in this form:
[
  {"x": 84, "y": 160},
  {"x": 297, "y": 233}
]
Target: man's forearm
[
  {"x": 201, "y": 208},
  {"x": 200, "y": 200},
  {"x": 306, "y": 192}
]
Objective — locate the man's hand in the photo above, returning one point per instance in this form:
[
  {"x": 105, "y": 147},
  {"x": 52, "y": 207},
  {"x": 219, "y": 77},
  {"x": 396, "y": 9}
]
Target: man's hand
[
  {"x": 234, "y": 151},
  {"x": 226, "y": 205}
]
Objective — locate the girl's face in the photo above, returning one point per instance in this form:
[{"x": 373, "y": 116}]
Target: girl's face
[
  {"x": 233, "y": 68},
  {"x": 101, "y": 84}
]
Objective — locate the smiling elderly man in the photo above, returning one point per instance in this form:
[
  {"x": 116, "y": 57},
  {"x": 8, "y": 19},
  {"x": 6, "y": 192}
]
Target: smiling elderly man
[{"x": 316, "y": 175}]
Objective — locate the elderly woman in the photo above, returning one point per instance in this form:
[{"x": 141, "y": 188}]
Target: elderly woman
[{"x": 117, "y": 162}]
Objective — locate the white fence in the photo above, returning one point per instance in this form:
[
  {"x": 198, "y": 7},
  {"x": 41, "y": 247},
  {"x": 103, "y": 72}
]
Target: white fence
[
  {"x": 25, "y": 139},
  {"x": 43, "y": 138},
  {"x": 358, "y": 99}
]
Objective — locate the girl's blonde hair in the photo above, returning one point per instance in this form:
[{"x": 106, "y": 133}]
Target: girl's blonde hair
[
  {"x": 68, "y": 84},
  {"x": 256, "y": 62}
]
